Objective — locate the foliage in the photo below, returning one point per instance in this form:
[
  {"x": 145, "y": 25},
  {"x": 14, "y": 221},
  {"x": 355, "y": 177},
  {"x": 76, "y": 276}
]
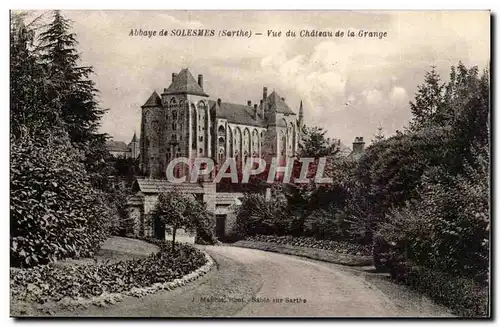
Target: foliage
[
  {"x": 175, "y": 210},
  {"x": 71, "y": 90},
  {"x": 430, "y": 107},
  {"x": 461, "y": 294},
  {"x": 52, "y": 282},
  {"x": 30, "y": 109},
  {"x": 55, "y": 213},
  {"x": 389, "y": 173},
  {"x": 379, "y": 136},
  {"x": 314, "y": 143},
  {"x": 448, "y": 229},
  {"x": 311, "y": 242},
  {"x": 121, "y": 223},
  {"x": 256, "y": 215}
]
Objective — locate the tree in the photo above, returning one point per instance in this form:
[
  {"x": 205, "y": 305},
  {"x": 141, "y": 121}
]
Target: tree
[
  {"x": 314, "y": 143},
  {"x": 429, "y": 107},
  {"x": 379, "y": 136},
  {"x": 30, "y": 110},
  {"x": 173, "y": 212},
  {"x": 70, "y": 89},
  {"x": 72, "y": 94}
]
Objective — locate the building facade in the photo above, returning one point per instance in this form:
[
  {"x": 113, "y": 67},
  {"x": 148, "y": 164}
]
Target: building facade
[
  {"x": 120, "y": 149},
  {"x": 184, "y": 121}
]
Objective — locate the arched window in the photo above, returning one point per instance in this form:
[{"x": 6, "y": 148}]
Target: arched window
[
  {"x": 221, "y": 155},
  {"x": 173, "y": 102},
  {"x": 283, "y": 144},
  {"x": 194, "y": 126},
  {"x": 168, "y": 156},
  {"x": 230, "y": 142}
]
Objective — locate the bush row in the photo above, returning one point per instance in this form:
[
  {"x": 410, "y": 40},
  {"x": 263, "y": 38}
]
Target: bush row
[
  {"x": 52, "y": 282},
  {"x": 310, "y": 242}
]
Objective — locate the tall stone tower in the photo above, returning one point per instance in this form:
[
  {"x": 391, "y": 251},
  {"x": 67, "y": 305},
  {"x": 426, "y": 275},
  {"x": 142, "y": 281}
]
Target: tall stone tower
[
  {"x": 281, "y": 138},
  {"x": 175, "y": 125}
]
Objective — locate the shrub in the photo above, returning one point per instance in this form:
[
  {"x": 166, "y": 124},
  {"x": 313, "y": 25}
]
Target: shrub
[
  {"x": 463, "y": 295},
  {"x": 311, "y": 242},
  {"x": 326, "y": 224},
  {"x": 55, "y": 213},
  {"x": 440, "y": 245},
  {"x": 258, "y": 216},
  {"x": 447, "y": 230}
]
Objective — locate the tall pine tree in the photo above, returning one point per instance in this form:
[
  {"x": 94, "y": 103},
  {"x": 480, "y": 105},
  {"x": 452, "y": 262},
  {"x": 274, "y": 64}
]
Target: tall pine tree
[
  {"x": 73, "y": 94},
  {"x": 429, "y": 107},
  {"x": 71, "y": 88}
]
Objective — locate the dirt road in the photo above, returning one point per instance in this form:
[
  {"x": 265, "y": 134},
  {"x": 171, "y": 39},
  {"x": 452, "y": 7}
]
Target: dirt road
[{"x": 250, "y": 282}]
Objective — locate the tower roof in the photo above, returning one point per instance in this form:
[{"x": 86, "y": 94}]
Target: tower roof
[
  {"x": 184, "y": 83},
  {"x": 277, "y": 104},
  {"x": 153, "y": 101},
  {"x": 134, "y": 139}
]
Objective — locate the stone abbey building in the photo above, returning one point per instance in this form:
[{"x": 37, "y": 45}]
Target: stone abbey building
[{"x": 184, "y": 121}]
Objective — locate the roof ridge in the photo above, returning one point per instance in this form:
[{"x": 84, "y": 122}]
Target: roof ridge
[
  {"x": 184, "y": 83},
  {"x": 154, "y": 100}
]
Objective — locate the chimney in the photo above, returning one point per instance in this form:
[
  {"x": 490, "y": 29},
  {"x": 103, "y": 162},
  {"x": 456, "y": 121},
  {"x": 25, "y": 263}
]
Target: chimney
[
  {"x": 358, "y": 146},
  {"x": 174, "y": 75},
  {"x": 264, "y": 93},
  {"x": 255, "y": 112},
  {"x": 200, "y": 80},
  {"x": 219, "y": 101}
]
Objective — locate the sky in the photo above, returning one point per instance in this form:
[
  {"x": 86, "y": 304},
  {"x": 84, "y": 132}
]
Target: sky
[{"x": 349, "y": 86}]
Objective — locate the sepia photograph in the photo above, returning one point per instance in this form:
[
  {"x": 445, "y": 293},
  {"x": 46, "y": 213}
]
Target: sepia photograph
[{"x": 250, "y": 163}]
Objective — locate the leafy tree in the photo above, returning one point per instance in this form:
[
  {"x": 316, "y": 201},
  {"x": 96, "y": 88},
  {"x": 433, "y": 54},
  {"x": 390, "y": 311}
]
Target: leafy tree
[
  {"x": 314, "y": 143},
  {"x": 55, "y": 213},
  {"x": 429, "y": 107},
  {"x": 30, "y": 110},
  {"x": 379, "y": 136},
  {"x": 175, "y": 210}
]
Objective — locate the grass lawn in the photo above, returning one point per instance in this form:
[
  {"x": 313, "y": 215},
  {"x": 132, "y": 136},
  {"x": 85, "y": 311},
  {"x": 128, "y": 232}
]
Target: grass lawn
[{"x": 116, "y": 249}]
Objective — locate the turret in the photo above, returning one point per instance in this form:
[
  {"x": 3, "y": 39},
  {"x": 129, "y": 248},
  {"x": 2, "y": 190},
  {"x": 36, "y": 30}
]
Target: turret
[{"x": 301, "y": 115}]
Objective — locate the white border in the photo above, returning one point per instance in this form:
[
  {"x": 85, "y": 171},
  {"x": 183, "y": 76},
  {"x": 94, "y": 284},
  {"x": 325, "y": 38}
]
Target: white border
[{"x": 234, "y": 5}]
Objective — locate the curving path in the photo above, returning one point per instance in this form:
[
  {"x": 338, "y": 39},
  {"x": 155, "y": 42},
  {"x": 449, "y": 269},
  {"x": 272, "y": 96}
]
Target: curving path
[{"x": 253, "y": 283}]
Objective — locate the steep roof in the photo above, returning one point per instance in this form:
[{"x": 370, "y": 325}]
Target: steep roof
[
  {"x": 134, "y": 139},
  {"x": 116, "y": 146},
  {"x": 237, "y": 114},
  {"x": 153, "y": 101},
  {"x": 276, "y": 103},
  {"x": 147, "y": 185},
  {"x": 184, "y": 83}
]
